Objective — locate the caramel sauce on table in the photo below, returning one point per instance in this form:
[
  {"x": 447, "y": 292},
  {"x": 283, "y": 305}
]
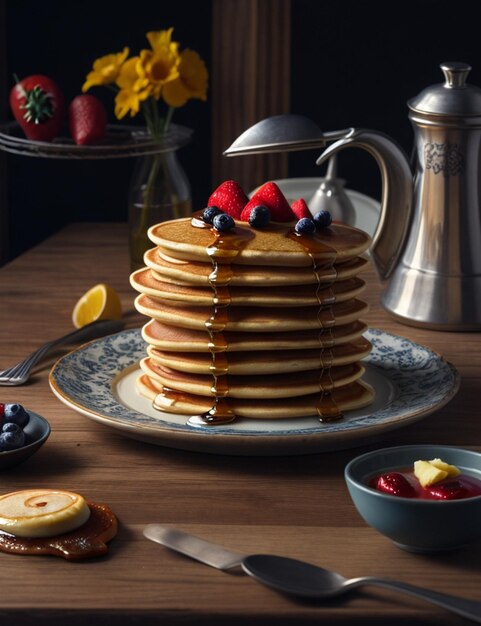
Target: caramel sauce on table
[
  {"x": 223, "y": 251},
  {"x": 87, "y": 541}
]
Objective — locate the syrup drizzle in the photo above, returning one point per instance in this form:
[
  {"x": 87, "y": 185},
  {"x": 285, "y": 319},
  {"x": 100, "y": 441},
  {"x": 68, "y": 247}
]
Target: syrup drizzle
[
  {"x": 317, "y": 250},
  {"x": 222, "y": 251}
]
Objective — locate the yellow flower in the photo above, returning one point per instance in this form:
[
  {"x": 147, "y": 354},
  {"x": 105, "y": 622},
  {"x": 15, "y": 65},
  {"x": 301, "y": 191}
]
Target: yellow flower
[
  {"x": 191, "y": 83},
  {"x": 159, "y": 68},
  {"x": 161, "y": 42},
  {"x": 105, "y": 69},
  {"x": 161, "y": 62},
  {"x": 134, "y": 88}
]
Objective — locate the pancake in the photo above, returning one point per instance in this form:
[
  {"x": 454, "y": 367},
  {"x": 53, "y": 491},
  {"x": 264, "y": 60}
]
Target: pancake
[
  {"x": 256, "y": 386},
  {"x": 266, "y": 362},
  {"x": 144, "y": 281},
  {"x": 172, "y": 338},
  {"x": 355, "y": 396},
  {"x": 254, "y": 319},
  {"x": 197, "y": 273},
  {"x": 253, "y": 322},
  {"x": 270, "y": 246}
]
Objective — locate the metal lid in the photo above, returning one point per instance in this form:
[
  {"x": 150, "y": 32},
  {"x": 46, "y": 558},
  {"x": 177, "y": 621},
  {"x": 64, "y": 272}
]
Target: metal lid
[{"x": 453, "y": 97}]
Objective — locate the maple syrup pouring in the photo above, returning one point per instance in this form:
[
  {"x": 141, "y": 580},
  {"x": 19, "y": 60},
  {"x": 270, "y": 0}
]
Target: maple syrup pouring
[{"x": 317, "y": 250}]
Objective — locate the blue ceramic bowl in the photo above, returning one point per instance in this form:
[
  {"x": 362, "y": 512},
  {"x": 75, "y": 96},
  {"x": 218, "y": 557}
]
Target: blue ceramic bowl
[
  {"x": 413, "y": 524},
  {"x": 37, "y": 432}
]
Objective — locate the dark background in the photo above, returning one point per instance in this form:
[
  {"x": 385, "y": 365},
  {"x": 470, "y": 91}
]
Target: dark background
[{"x": 353, "y": 63}]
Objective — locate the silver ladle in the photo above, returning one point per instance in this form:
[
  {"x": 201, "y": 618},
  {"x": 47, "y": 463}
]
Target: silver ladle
[
  {"x": 283, "y": 133},
  {"x": 289, "y": 133}
]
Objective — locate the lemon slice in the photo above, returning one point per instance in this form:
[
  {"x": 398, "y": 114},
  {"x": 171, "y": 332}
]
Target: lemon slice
[
  {"x": 101, "y": 302},
  {"x": 42, "y": 512}
]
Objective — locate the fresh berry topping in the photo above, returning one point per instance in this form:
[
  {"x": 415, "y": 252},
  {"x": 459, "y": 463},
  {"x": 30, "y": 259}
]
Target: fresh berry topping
[
  {"x": 209, "y": 213},
  {"x": 449, "y": 491},
  {"x": 247, "y": 210},
  {"x": 300, "y": 208},
  {"x": 17, "y": 414},
  {"x": 395, "y": 484},
  {"x": 223, "y": 222},
  {"x": 272, "y": 197},
  {"x": 229, "y": 197},
  {"x": 259, "y": 216},
  {"x": 323, "y": 219},
  {"x": 2, "y": 410},
  {"x": 305, "y": 226}
]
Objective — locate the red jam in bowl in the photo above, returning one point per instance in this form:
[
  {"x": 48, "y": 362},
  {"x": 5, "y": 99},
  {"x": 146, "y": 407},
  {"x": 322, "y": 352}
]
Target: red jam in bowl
[{"x": 404, "y": 484}]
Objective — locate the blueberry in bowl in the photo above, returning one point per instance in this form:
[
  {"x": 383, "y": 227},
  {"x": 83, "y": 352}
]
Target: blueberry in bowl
[{"x": 22, "y": 433}]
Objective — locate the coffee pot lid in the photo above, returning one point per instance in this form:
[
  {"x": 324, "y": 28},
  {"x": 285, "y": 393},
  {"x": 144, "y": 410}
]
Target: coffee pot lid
[{"x": 453, "y": 97}]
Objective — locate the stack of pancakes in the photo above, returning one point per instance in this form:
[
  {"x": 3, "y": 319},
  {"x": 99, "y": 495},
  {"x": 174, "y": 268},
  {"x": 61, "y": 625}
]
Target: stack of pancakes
[{"x": 254, "y": 323}]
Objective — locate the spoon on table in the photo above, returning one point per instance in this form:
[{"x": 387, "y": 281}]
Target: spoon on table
[{"x": 297, "y": 577}]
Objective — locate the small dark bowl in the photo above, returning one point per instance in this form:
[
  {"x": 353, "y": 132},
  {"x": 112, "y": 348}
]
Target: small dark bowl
[
  {"x": 37, "y": 432},
  {"x": 412, "y": 524}
]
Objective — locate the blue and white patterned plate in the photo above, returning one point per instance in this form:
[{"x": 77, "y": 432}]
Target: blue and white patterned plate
[{"x": 97, "y": 380}]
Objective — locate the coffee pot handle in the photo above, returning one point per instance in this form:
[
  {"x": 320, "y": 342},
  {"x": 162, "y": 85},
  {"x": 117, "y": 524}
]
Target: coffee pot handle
[{"x": 397, "y": 194}]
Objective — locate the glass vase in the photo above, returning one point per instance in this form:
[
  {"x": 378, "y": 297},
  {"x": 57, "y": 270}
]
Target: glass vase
[{"x": 159, "y": 191}]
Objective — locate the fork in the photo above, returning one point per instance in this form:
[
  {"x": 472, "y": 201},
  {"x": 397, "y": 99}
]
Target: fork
[{"x": 20, "y": 373}]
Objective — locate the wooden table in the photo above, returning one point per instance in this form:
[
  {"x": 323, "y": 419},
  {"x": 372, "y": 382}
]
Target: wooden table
[{"x": 297, "y": 505}]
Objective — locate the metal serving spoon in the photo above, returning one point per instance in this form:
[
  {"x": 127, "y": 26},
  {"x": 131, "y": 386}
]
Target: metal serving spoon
[
  {"x": 297, "y": 577},
  {"x": 283, "y": 133}
]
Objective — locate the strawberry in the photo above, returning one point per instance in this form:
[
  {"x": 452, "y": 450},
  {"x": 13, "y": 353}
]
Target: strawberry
[
  {"x": 453, "y": 490},
  {"x": 395, "y": 484},
  {"x": 37, "y": 105},
  {"x": 300, "y": 208},
  {"x": 229, "y": 197},
  {"x": 87, "y": 119},
  {"x": 249, "y": 207},
  {"x": 272, "y": 197}
]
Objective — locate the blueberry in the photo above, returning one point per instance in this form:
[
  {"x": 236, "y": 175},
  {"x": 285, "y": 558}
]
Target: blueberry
[
  {"x": 305, "y": 226},
  {"x": 323, "y": 219},
  {"x": 17, "y": 414},
  {"x": 11, "y": 427},
  {"x": 260, "y": 216},
  {"x": 223, "y": 222},
  {"x": 210, "y": 212},
  {"x": 11, "y": 440}
]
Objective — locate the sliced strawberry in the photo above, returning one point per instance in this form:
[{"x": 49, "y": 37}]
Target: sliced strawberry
[
  {"x": 395, "y": 484},
  {"x": 272, "y": 197},
  {"x": 229, "y": 197},
  {"x": 300, "y": 208}
]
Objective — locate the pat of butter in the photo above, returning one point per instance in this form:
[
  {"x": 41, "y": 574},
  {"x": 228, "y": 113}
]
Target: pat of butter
[
  {"x": 452, "y": 470},
  {"x": 428, "y": 474}
]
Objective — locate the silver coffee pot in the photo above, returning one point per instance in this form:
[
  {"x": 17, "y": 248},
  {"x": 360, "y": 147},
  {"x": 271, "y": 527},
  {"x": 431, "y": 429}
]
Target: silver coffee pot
[
  {"x": 427, "y": 244},
  {"x": 428, "y": 240}
]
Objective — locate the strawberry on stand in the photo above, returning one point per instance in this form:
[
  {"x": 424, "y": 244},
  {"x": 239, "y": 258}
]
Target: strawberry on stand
[
  {"x": 87, "y": 119},
  {"x": 37, "y": 105}
]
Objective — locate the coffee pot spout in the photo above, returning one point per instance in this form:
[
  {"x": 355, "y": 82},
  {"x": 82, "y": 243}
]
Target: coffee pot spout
[{"x": 397, "y": 193}]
